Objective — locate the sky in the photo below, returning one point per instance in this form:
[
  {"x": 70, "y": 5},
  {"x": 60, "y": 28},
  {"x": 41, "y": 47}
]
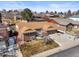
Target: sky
[{"x": 41, "y": 6}]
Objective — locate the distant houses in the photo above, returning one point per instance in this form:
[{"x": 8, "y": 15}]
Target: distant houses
[
  {"x": 40, "y": 17},
  {"x": 10, "y": 14},
  {"x": 75, "y": 18}
]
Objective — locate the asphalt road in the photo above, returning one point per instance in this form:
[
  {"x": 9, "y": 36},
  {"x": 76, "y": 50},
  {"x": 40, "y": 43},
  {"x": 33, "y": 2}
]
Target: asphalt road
[
  {"x": 8, "y": 54},
  {"x": 72, "y": 52}
]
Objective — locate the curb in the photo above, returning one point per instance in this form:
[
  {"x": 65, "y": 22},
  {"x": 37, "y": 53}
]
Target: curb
[{"x": 19, "y": 54}]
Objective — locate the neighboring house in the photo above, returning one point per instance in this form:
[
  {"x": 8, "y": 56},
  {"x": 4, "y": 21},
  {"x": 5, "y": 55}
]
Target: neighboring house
[
  {"x": 57, "y": 16},
  {"x": 65, "y": 21},
  {"x": 75, "y": 18},
  {"x": 69, "y": 27},
  {"x": 10, "y": 14},
  {"x": 40, "y": 17}
]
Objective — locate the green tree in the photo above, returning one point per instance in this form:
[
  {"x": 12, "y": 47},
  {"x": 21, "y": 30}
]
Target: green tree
[
  {"x": 47, "y": 12},
  {"x": 27, "y": 14},
  {"x": 69, "y": 13}
]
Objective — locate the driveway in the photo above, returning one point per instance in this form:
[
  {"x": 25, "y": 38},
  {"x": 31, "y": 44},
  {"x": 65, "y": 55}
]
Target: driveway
[{"x": 72, "y": 52}]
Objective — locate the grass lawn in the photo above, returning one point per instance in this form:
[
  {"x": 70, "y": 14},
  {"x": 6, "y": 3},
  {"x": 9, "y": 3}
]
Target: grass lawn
[{"x": 36, "y": 46}]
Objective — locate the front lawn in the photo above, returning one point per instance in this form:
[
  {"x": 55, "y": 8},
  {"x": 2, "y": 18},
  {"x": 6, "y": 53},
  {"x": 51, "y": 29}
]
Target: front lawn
[
  {"x": 36, "y": 46},
  {"x": 73, "y": 32}
]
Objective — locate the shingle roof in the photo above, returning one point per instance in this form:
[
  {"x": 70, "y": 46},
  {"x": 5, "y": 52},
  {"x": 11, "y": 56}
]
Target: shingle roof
[
  {"x": 65, "y": 21},
  {"x": 37, "y": 25}
]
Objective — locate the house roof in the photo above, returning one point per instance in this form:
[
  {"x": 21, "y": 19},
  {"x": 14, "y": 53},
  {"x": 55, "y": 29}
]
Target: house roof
[
  {"x": 53, "y": 21},
  {"x": 36, "y": 25},
  {"x": 65, "y": 21}
]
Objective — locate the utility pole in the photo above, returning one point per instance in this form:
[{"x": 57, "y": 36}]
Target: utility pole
[{"x": 0, "y": 18}]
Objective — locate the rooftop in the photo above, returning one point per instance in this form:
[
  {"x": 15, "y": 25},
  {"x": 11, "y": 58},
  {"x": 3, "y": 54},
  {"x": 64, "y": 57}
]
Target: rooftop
[
  {"x": 65, "y": 21},
  {"x": 23, "y": 26}
]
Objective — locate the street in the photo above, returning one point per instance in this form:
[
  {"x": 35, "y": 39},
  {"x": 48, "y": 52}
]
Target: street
[
  {"x": 7, "y": 54},
  {"x": 72, "y": 52}
]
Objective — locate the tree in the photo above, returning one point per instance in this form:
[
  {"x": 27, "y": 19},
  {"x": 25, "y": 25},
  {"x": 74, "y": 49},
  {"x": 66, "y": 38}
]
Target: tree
[
  {"x": 77, "y": 13},
  {"x": 47, "y": 12},
  {"x": 10, "y": 11},
  {"x": 15, "y": 10},
  {"x": 27, "y": 14},
  {"x": 73, "y": 13},
  {"x": 41, "y": 12},
  {"x": 51, "y": 13},
  {"x": 10, "y": 14},
  {"x": 69, "y": 13},
  {"x": 35, "y": 12},
  {"x": 55, "y": 12},
  {"x": 4, "y": 10},
  {"x": 61, "y": 13}
]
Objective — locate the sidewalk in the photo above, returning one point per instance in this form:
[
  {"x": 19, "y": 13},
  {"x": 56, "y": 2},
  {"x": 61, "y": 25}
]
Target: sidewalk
[
  {"x": 65, "y": 42},
  {"x": 18, "y": 52}
]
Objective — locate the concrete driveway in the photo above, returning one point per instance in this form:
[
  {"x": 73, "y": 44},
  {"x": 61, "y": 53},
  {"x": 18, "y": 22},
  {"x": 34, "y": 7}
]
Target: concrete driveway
[{"x": 72, "y": 52}]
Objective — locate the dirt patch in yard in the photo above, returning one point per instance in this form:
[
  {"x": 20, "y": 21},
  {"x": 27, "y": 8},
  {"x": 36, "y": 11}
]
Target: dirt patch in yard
[{"x": 36, "y": 46}]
